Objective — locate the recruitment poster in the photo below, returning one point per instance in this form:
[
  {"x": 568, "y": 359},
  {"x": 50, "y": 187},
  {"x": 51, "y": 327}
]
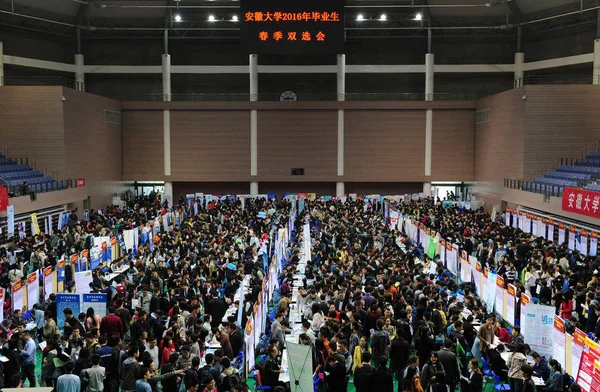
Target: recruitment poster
[
  {"x": 525, "y": 301},
  {"x": 572, "y": 233},
  {"x": 539, "y": 327},
  {"x": 490, "y": 291},
  {"x": 82, "y": 281},
  {"x": 561, "y": 233},
  {"x": 96, "y": 301},
  {"x": 477, "y": 276},
  {"x": 499, "y": 295},
  {"x": 2, "y": 295},
  {"x": 593, "y": 243},
  {"x": 64, "y": 301},
  {"x": 550, "y": 234},
  {"x": 510, "y": 304},
  {"x": 47, "y": 282},
  {"x": 60, "y": 270},
  {"x": 17, "y": 295},
  {"x": 577, "y": 350},
  {"x": 33, "y": 288},
  {"x": 559, "y": 341}
]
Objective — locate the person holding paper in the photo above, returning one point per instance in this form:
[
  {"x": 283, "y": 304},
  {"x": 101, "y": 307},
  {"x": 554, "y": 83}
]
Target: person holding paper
[{"x": 474, "y": 382}]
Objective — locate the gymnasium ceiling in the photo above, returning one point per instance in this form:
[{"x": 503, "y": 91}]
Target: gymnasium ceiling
[{"x": 149, "y": 18}]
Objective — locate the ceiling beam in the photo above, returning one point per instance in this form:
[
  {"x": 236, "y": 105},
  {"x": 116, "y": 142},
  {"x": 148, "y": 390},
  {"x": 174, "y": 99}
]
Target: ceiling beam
[
  {"x": 427, "y": 13},
  {"x": 515, "y": 11}
]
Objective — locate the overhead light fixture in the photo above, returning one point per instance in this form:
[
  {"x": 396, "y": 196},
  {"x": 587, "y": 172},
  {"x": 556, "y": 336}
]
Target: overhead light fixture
[
  {"x": 419, "y": 16},
  {"x": 177, "y": 18},
  {"x": 211, "y": 18},
  {"x": 234, "y": 18},
  {"x": 383, "y": 17},
  {"x": 360, "y": 17}
]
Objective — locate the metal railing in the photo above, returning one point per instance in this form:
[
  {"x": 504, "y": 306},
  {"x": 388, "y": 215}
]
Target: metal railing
[
  {"x": 357, "y": 96},
  {"x": 531, "y": 186}
]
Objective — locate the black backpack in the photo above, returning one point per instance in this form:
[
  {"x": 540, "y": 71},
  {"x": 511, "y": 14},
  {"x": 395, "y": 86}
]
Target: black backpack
[
  {"x": 567, "y": 381},
  {"x": 229, "y": 382}
]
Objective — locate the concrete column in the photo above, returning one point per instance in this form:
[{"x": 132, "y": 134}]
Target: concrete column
[
  {"x": 429, "y": 74},
  {"x": 1, "y": 65},
  {"x": 596, "y": 61},
  {"x": 427, "y": 189},
  {"x": 79, "y": 73},
  {"x": 253, "y": 69},
  {"x": 519, "y": 73},
  {"x": 254, "y": 188},
  {"x": 166, "y": 79},
  {"x": 341, "y": 96},
  {"x": 169, "y": 192}
]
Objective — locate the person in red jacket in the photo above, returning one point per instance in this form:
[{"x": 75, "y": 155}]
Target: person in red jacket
[
  {"x": 111, "y": 325},
  {"x": 566, "y": 307}
]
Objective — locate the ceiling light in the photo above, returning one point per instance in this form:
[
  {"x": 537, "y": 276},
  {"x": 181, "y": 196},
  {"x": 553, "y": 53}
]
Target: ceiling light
[
  {"x": 419, "y": 16},
  {"x": 383, "y": 17},
  {"x": 211, "y": 18},
  {"x": 234, "y": 18},
  {"x": 177, "y": 18},
  {"x": 360, "y": 17}
]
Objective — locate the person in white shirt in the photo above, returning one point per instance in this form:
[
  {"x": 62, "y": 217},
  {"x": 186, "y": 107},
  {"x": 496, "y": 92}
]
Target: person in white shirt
[{"x": 152, "y": 349}]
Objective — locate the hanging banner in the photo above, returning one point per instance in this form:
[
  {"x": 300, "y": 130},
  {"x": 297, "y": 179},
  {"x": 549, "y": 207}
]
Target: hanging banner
[
  {"x": 521, "y": 218},
  {"x": 82, "y": 281},
  {"x": 3, "y": 198},
  {"x": 477, "y": 277},
  {"x": 542, "y": 231},
  {"x": 572, "y": 233},
  {"x": 448, "y": 255},
  {"x": 515, "y": 219},
  {"x": 33, "y": 288},
  {"x": 66, "y": 301},
  {"x": 2, "y": 298},
  {"x": 49, "y": 219},
  {"x": 96, "y": 301},
  {"x": 510, "y": 304},
  {"x": 34, "y": 224},
  {"x": 442, "y": 252},
  {"x": 17, "y": 295},
  {"x": 527, "y": 223},
  {"x": 577, "y": 350},
  {"x": 74, "y": 262},
  {"x": 60, "y": 270},
  {"x": 539, "y": 324},
  {"x": 559, "y": 341},
  {"x": 583, "y": 242},
  {"x": 499, "y": 295},
  {"x": 47, "y": 282},
  {"x": 10, "y": 214},
  {"x": 561, "y": 233},
  {"x": 581, "y": 201},
  {"x": 593, "y": 243},
  {"x": 550, "y": 234},
  {"x": 507, "y": 216},
  {"x": 534, "y": 226}
]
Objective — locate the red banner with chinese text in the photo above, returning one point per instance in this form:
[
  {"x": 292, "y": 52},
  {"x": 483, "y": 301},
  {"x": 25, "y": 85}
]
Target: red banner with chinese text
[{"x": 581, "y": 201}]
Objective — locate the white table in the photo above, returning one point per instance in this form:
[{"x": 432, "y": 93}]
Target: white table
[{"x": 284, "y": 377}]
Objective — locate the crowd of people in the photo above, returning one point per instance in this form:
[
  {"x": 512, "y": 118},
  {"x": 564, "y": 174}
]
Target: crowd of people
[{"x": 372, "y": 311}]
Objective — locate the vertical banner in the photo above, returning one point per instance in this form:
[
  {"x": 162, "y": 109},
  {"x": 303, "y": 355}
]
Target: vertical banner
[
  {"x": 35, "y": 227},
  {"x": 82, "y": 281},
  {"x": 477, "y": 276},
  {"x": 33, "y": 288},
  {"x": 515, "y": 219},
  {"x": 559, "y": 341},
  {"x": 443, "y": 252},
  {"x": 17, "y": 295},
  {"x": 585, "y": 376},
  {"x": 534, "y": 225},
  {"x": 583, "y": 243},
  {"x": 448, "y": 254},
  {"x": 49, "y": 219},
  {"x": 47, "y": 282},
  {"x": 507, "y": 216},
  {"x": 577, "y": 350},
  {"x": 10, "y": 214},
  {"x": 499, "y": 295},
  {"x": 539, "y": 324},
  {"x": 22, "y": 230},
  {"x": 490, "y": 294},
  {"x": 572, "y": 233},
  {"x": 527, "y": 223},
  {"x": 521, "y": 224},
  {"x": 74, "y": 262},
  {"x": 594, "y": 243},
  {"x": 550, "y": 235},
  {"x": 561, "y": 233},
  {"x": 454, "y": 259},
  {"x": 542, "y": 231},
  {"x": 60, "y": 270},
  {"x": 66, "y": 301},
  {"x": 510, "y": 304},
  {"x": 2, "y": 298},
  {"x": 525, "y": 301}
]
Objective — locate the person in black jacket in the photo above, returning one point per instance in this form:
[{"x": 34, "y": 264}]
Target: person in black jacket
[
  {"x": 474, "y": 383},
  {"x": 383, "y": 378},
  {"x": 271, "y": 371},
  {"x": 399, "y": 353},
  {"x": 236, "y": 339},
  {"x": 448, "y": 360},
  {"x": 336, "y": 379},
  {"x": 363, "y": 374}
]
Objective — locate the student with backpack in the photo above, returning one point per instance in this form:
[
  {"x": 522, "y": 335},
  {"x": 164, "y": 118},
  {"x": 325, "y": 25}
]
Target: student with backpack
[{"x": 229, "y": 377}]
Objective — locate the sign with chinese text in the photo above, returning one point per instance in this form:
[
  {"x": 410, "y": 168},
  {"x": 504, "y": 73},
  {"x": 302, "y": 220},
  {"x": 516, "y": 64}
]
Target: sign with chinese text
[
  {"x": 307, "y": 27},
  {"x": 581, "y": 201}
]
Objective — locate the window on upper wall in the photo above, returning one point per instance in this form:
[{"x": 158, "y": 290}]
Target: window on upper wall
[
  {"x": 112, "y": 116},
  {"x": 482, "y": 116}
]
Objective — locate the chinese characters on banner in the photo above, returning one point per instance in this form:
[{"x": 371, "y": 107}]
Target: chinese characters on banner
[
  {"x": 581, "y": 201},
  {"x": 561, "y": 232},
  {"x": 510, "y": 304},
  {"x": 306, "y": 27},
  {"x": 507, "y": 217},
  {"x": 559, "y": 341}
]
